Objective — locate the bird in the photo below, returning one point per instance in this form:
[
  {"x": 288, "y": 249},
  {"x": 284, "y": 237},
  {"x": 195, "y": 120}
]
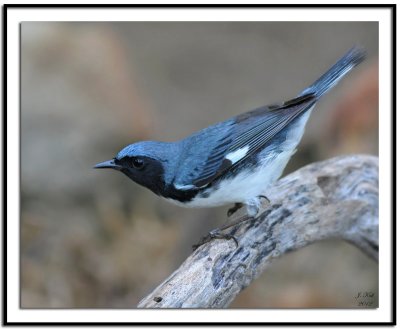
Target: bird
[{"x": 233, "y": 161}]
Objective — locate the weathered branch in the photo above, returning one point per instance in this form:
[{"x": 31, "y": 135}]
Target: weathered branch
[{"x": 337, "y": 198}]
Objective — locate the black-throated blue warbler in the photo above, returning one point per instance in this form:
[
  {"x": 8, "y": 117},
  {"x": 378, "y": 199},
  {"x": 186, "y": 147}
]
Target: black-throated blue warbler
[{"x": 233, "y": 161}]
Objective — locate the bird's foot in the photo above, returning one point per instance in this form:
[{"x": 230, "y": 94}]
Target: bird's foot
[
  {"x": 233, "y": 209},
  {"x": 215, "y": 234}
]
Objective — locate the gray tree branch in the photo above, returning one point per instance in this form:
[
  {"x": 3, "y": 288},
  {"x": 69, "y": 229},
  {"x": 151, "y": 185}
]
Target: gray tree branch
[{"x": 337, "y": 198}]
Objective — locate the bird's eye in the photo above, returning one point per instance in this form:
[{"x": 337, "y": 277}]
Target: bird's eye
[{"x": 137, "y": 163}]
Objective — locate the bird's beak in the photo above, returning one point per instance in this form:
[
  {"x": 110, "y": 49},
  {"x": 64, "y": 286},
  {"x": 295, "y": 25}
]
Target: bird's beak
[{"x": 107, "y": 164}]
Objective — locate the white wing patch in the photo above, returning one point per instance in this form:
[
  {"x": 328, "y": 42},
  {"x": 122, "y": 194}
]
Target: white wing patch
[{"x": 237, "y": 155}]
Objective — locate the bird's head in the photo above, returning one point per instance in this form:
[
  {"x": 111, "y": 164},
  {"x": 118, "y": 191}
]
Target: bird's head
[{"x": 146, "y": 163}]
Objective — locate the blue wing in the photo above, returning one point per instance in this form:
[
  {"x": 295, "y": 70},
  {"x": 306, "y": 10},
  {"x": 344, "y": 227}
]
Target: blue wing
[
  {"x": 252, "y": 131},
  {"x": 238, "y": 138}
]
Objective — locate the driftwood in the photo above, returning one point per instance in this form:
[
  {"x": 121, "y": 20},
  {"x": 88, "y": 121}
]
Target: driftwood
[{"x": 337, "y": 198}]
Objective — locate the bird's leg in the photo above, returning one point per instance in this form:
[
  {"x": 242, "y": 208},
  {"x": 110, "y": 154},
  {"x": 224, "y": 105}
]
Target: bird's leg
[
  {"x": 252, "y": 206},
  {"x": 233, "y": 209},
  {"x": 217, "y": 233}
]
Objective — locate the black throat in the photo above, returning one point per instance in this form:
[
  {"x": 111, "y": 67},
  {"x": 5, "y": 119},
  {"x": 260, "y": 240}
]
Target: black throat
[{"x": 152, "y": 177}]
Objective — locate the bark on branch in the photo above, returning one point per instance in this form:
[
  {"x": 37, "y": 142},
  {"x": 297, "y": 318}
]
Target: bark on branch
[{"x": 337, "y": 198}]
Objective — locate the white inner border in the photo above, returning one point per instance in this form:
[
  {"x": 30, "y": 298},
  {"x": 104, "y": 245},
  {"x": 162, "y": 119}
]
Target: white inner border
[{"x": 17, "y": 15}]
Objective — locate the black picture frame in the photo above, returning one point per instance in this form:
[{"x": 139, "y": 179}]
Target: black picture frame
[{"x": 8, "y": 7}]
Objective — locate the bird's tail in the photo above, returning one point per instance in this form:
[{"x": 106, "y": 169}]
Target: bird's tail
[{"x": 351, "y": 59}]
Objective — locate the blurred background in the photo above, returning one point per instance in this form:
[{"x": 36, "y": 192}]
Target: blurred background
[{"x": 92, "y": 238}]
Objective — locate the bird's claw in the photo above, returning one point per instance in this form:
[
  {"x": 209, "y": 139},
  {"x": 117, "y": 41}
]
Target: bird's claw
[
  {"x": 265, "y": 198},
  {"x": 215, "y": 234},
  {"x": 233, "y": 209}
]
